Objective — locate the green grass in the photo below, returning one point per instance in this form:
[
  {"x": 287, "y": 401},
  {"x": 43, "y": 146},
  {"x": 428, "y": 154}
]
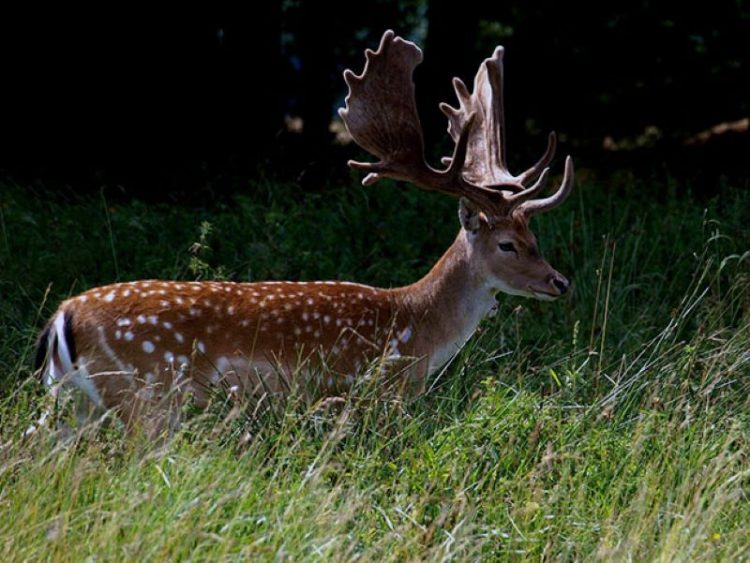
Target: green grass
[{"x": 611, "y": 425}]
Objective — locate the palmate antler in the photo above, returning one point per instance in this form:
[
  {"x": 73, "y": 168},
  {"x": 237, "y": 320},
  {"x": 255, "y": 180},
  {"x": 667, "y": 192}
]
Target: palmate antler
[{"x": 381, "y": 116}]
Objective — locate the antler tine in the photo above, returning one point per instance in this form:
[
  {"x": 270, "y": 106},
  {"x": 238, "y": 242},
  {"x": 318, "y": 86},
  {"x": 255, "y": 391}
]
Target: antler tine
[
  {"x": 534, "y": 206},
  {"x": 524, "y": 195},
  {"x": 543, "y": 162}
]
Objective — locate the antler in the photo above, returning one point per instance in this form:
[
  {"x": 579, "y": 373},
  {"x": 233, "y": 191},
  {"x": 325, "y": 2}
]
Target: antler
[{"x": 381, "y": 116}]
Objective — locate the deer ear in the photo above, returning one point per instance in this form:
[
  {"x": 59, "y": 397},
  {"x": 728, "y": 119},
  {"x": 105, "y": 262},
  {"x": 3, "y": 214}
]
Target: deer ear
[{"x": 470, "y": 216}]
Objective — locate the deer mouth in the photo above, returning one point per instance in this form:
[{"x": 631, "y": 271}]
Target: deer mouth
[{"x": 543, "y": 295}]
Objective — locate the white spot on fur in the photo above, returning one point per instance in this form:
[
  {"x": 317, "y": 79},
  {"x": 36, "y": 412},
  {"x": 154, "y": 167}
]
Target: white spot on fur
[
  {"x": 178, "y": 337},
  {"x": 83, "y": 298},
  {"x": 168, "y": 357},
  {"x": 230, "y": 310},
  {"x": 123, "y": 322},
  {"x": 141, "y": 319},
  {"x": 128, "y": 336},
  {"x": 153, "y": 319},
  {"x": 150, "y": 377},
  {"x": 201, "y": 346},
  {"x": 194, "y": 312},
  {"x": 126, "y": 293},
  {"x": 148, "y": 346},
  {"x": 118, "y": 334},
  {"x": 167, "y": 325}
]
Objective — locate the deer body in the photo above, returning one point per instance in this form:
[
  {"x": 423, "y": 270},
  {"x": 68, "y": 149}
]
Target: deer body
[
  {"x": 127, "y": 346},
  {"x": 133, "y": 339}
]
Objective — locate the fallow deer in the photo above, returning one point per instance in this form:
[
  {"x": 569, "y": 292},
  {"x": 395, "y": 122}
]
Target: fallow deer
[{"x": 125, "y": 346}]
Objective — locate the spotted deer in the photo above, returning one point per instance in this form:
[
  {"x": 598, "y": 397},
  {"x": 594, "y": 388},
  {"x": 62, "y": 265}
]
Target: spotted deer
[{"x": 126, "y": 346}]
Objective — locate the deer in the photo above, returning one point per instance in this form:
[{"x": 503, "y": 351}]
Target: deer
[{"x": 124, "y": 347}]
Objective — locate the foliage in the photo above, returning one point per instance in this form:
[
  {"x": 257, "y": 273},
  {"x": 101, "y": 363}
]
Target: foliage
[{"x": 610, "y": 425}]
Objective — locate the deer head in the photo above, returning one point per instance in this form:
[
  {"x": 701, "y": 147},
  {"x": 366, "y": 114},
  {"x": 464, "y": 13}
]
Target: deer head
[{"x": 495, "y": 206}]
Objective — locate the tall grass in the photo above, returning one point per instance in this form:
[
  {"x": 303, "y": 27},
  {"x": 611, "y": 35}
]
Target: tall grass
[{"x": 612, "y": 425}]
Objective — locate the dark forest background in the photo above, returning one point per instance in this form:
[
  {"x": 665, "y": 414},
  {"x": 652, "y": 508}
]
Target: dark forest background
[{"x": 164, "y": 106}]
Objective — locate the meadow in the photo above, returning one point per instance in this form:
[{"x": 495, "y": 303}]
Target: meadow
[{"x": 611, "y": 425}]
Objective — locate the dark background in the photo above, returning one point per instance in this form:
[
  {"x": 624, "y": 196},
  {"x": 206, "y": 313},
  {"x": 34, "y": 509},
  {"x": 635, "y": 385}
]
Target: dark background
[{"x": 161, "y": 106}]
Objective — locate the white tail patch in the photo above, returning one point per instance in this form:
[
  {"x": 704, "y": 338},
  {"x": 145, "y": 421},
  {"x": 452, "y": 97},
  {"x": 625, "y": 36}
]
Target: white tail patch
[
  {"x": 63, "y": 353},
  {"x": 69, "y": 374}
]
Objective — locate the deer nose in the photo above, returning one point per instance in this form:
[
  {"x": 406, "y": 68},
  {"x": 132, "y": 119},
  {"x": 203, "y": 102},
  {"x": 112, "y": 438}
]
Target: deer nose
[{"x": 561, "y": 284}]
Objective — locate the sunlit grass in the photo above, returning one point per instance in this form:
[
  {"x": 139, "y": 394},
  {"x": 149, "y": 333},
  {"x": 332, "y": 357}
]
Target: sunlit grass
[{"x": 613, "y": 425}]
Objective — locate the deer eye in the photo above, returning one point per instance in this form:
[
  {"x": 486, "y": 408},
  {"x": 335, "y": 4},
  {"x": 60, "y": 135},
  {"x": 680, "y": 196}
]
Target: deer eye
[{"x": 506, "y": 247}]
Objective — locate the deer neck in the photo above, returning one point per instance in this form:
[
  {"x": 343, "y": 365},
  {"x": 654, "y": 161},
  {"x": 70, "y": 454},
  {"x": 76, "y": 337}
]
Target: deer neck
[{"x": 447, "y": 304}]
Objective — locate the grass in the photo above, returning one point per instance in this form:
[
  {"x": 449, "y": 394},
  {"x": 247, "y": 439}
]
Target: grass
[{"x": 612, "y": 425}]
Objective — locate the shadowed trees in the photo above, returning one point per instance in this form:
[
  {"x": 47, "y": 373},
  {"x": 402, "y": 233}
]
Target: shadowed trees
[{"x": 165, "y": 106}]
